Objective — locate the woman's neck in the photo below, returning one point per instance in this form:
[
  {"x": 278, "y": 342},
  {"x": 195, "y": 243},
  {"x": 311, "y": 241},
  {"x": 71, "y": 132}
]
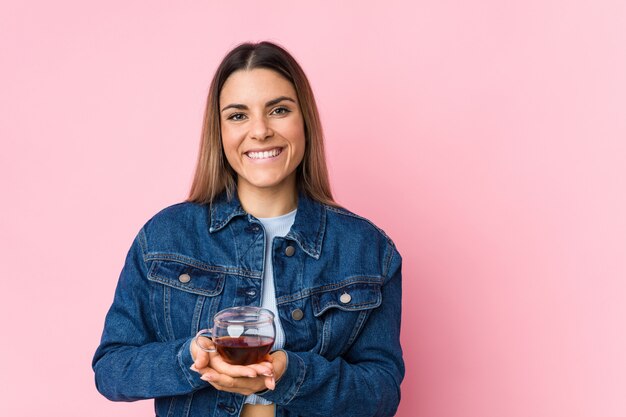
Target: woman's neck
[{"x": 268, "y": 202}]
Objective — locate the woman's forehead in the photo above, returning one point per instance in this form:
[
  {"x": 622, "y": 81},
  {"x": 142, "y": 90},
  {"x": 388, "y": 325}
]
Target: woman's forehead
[{"x": 255, "y": 85}]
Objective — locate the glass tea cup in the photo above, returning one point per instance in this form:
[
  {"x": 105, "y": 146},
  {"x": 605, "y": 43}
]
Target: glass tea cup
[{"x": 241, "y": 335}]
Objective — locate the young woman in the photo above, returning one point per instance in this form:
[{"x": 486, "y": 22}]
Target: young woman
[{"x": 260, "y": 228}]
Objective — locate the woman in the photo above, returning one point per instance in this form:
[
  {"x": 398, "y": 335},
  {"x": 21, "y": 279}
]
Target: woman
[{"x": 260, "y": 228}]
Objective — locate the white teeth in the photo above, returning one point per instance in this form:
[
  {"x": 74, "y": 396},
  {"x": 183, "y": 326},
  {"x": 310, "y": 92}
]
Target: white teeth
[{"x": 265, "y": 154}]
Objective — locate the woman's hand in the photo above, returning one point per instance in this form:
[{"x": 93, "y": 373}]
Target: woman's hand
[{"x": 239, "y": 379}]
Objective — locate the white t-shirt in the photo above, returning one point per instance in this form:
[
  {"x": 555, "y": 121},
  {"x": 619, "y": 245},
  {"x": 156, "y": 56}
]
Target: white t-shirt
[{"x": 274, "y": 226}]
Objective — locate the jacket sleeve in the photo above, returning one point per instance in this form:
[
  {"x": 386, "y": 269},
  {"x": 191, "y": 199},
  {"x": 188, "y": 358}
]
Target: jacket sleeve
[
  {"x": 363, "y": 382},
  {"x": 131, "y": 363}
]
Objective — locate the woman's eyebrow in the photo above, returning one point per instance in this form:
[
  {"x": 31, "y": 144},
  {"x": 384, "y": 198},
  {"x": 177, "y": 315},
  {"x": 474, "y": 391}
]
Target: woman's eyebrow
[
  {"x": 278, "y": 100},
  {"x": 268, "y": 104}
]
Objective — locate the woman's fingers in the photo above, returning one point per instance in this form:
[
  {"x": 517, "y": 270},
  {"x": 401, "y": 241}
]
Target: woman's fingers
[
  {"x": 239, "y": 379},
  {"x": 209, "y": 375},
  {"x": 263, "y": 368},
  {"x": 212, "y": 366},
  {"x": 218, "y": 366},
  {"x": 202, "y": 360},
  {"x": 223, "y": 367},
  {"x": 245, "y": 386},
  {"x": 270, "y": 382},
  {"x": 205, "y": 344},
  {"x": 200, "y": 349}
]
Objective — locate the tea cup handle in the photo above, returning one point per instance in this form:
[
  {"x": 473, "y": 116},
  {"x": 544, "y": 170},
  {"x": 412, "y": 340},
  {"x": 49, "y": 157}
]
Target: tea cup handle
[{"x": 207, "y": 334}]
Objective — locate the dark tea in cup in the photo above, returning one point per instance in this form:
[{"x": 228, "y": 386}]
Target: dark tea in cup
[
  {"x": 243, "y": 350},
  {"x": 242, "y": 335}
]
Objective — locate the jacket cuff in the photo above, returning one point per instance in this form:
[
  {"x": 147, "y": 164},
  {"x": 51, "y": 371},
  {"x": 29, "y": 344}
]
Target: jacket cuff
[
  {"x": 288, "y": 385},
  {"x": 185, "y": 361}
]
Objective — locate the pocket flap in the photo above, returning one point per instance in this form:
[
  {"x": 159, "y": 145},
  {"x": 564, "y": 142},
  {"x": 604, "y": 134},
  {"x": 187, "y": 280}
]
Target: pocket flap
[
  {"x": 187, "y": 278},
  {"x": 347, "y": 296}
]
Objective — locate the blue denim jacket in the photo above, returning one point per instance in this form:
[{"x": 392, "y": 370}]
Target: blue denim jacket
[{"x": 344, "y": 354}]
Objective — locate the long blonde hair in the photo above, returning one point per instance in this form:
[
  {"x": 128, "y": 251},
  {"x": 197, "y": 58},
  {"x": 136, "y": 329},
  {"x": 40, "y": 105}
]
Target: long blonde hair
[{"x": 214, "y": 174}]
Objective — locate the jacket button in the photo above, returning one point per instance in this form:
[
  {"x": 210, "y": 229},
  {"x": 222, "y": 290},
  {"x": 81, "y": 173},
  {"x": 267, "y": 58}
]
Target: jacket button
[
  {"x": 184, "y": 278},
  {"x": 345, "y": 298},
  {"x": 290, "y": 250},
  {"x": 297, "y": 314}
]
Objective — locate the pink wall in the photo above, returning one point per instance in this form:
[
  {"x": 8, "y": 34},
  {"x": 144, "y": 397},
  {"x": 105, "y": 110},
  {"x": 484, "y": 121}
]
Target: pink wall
[{"x": 486, "y": 137}]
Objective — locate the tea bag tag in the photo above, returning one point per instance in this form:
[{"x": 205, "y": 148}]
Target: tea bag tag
[{"x": 235, "y": 330}]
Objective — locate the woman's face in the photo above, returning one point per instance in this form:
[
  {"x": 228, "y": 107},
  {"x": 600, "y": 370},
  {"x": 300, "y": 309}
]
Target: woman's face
[{"x": 262, "y": 129}]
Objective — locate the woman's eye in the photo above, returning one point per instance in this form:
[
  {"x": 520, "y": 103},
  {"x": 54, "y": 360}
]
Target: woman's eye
[
  {"x": 281, "y": 110},
  {"x": 236, "y": 116}
]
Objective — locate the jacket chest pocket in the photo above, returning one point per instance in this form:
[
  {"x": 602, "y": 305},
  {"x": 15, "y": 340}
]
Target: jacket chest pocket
[
  {"x": 343, "y": 309},
  {"x": 183, "y": 297}
]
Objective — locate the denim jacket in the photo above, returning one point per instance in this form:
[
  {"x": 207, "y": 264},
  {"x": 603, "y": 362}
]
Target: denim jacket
[{"x": 190, "y": 261}]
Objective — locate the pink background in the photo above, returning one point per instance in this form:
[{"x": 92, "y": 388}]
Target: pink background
[{"x": 486, "y": 137}]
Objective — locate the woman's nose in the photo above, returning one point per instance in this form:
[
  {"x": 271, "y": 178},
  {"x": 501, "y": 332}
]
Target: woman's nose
[{"x": 260, "y": 129}]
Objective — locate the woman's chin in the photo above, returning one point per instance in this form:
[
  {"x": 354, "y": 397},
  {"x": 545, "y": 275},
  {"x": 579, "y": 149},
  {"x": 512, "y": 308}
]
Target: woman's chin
[{"x": 266, "y": 183}]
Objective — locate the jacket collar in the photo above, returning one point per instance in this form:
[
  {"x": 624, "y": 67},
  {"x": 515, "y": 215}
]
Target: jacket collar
[
  {"x": 307, "y": 230},
  {"x": 223, "y": 210}
]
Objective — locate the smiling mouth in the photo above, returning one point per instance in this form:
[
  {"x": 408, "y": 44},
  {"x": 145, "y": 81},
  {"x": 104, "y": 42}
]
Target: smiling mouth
[{"x": 272, "y": 153}]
